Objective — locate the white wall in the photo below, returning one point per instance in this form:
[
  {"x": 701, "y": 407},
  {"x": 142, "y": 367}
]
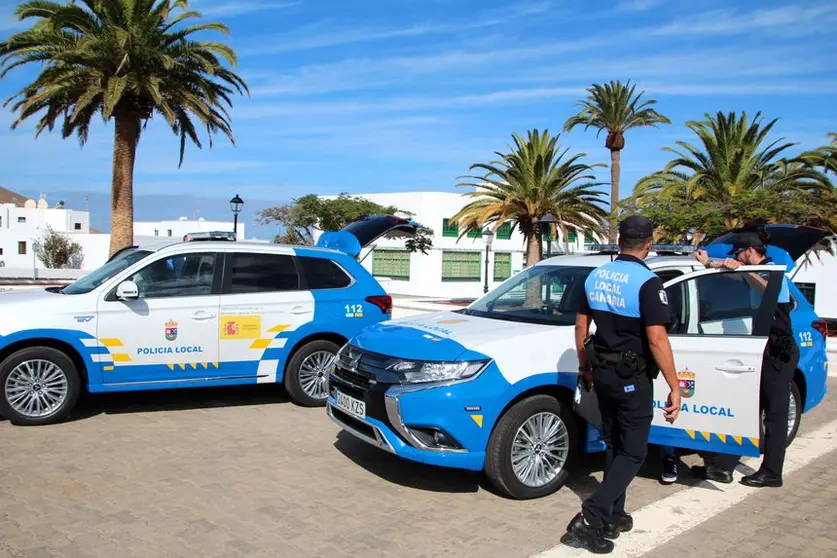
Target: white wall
[
  {"x": 430, "y": 209},
  {"x": 28, "y": 224},
  {"x": 179, "y": 227}
]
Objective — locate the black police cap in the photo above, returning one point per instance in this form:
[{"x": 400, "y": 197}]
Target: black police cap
[
  {"x": 636, "y": 227},
  {"x": 745, "y": 240}
]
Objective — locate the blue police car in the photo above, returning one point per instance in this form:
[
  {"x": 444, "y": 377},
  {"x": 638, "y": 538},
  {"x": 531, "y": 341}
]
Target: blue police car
[
  {"x": 491, "y": 387},
  {"x": 198, "y": 313}
]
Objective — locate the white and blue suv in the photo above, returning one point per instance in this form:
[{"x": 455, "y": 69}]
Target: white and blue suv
[{"x": 202, "y": 312}]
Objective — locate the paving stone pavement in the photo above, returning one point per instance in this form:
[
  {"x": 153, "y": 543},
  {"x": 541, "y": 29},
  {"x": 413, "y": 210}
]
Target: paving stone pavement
[
  {"x": 242, "y": 472},
  {"x": 795, "y": 520}
]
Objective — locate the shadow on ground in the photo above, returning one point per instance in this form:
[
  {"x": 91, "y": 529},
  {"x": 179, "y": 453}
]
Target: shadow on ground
[
  {"x": 178, "y": 400},
  {"x": 582, "y": 482}
]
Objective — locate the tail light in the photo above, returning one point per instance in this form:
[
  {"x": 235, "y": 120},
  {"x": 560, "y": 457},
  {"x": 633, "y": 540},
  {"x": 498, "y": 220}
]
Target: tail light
[
  {"x": 821, "y": 326},
  {"x": 384, "y": 302}
]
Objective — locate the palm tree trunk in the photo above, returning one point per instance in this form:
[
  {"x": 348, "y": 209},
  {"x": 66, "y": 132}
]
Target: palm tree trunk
[
  {"x": 533, "y": 256},
  {"x": 615, "y": 169},
  {"x": 566, "y": 238},
  {"x": 126, "y": 139}
]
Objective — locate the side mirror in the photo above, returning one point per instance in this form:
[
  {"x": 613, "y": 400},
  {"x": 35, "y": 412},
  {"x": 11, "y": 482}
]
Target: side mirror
[{"x": 127, "y": 290}]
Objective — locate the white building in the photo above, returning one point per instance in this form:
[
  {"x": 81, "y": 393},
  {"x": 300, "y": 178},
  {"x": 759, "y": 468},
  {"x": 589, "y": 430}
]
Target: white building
[
  {"x": 452, "y": 268},
  {"x": 24, "y": 222},
  {"x": 22, "y": 226},
  {"x": 182, "y": 226}
]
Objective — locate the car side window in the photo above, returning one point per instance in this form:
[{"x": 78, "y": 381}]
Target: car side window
[
  {"x": 724, "y": 304},
  {"x": 678, "y": 302},
  {"x": 261, "y": 273},
  {"x": 321, "y": 273},
  {"x": 177, "y": 276}
]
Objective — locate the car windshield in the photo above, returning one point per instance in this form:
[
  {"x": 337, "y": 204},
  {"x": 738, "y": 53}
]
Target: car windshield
[
  {"x": 541, "y": 294},
  {"x": 95, "y": 278}
]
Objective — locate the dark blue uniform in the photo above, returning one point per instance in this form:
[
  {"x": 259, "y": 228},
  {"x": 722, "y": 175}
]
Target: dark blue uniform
[{"x": 623, "y": 297}]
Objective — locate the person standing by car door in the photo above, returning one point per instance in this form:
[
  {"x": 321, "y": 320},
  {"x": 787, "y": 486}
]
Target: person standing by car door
[
  {"x": 630, "y": 307},
  {"x": 781, "y": 356}
]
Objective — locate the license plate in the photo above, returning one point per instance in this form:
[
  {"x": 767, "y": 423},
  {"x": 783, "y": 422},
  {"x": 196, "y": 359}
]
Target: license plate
[{"x": 351, "y": 405}]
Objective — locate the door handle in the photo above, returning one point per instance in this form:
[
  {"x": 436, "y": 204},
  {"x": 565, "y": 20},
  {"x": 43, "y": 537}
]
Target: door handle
[
  {"x": 201, "y": 315},
  {"x": 735, "y": 368},
  {"x": 300, "y": 310}
]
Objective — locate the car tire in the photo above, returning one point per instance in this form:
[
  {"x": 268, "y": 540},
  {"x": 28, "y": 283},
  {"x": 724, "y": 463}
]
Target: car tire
[
  {"x": 298, "y": 373},
  {"x": 498, "y": 458},
  {"x": 797, "y": 420},
  {"x": 54, "y": 366}
]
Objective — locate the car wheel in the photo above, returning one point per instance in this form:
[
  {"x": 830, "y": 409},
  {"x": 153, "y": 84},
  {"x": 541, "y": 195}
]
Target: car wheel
[
  {"x": 306, "y": 376},
  {"x": 532, "y": 449},
  {"x": 794, "y": 416},
  {"x": 40, "y": 386}
]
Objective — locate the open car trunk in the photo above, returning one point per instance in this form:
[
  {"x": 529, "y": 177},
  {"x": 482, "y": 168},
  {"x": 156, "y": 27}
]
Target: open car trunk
[{"x": 363, "y": 232}]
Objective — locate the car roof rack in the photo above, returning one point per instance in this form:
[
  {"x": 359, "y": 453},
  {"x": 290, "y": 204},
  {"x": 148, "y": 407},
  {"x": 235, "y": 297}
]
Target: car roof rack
[
  {"x": 209, "y": 235},
  {"x": 659, "y": 249}
]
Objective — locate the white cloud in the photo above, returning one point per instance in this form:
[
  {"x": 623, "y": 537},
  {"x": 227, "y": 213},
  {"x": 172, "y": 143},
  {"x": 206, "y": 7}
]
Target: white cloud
[
  {"x": 306, "y": 39},
  {"x": 241, "y": 7},
  {"x": 637, "y": 5},
  {"x": 792, "y": 19}
]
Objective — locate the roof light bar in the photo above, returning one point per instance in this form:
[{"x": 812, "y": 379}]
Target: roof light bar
[
  {"x": 209, "y": 235},
  {"x": 657, "y": 248}
]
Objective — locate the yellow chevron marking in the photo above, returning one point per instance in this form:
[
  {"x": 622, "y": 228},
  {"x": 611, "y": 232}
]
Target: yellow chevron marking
[
  {"x": 194, "y": 365},
  {"x": 754, "y": 441},
  {"x": 738, "y": 439},
  {"x": 121, "y": 357},
  {"x": 723, "y": 437},
  {"x": 171, "y": 366},
  {"x": 691, "y": 434},
  {"x": 260, "y": 343},
  {"x": 278, "y": 328},
  {"x": 182, "y": 365},
  {"x": 215, "y": 364},
  {"x": 204, "y": 364},
  {"x": 108, "y": 368},
  {"x": 477, "y": 419},
  {"x": 111, "y": 342},
  {"x": 707, "y": 436}
]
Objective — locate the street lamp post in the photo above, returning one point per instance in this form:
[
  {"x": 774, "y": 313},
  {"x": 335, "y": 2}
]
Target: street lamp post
[
  {"x": 235, "y": 206},
  {"x": 548, "y": 219},
  {"x": 487, "y": 237}
]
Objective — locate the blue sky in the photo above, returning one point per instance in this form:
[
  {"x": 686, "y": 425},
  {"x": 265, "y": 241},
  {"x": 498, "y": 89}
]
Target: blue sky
[{"x": 395, "y": 95}]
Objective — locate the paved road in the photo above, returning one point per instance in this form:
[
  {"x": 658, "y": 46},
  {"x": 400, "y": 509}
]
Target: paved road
[
  {"x": 798, "y": 521},
  {"x": 242, "y": 472}
]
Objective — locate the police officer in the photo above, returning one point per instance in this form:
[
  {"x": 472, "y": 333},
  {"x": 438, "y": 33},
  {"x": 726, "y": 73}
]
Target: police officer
[
  {"x": 779, "y": 362},
  {"x": 629, "y": 305}
]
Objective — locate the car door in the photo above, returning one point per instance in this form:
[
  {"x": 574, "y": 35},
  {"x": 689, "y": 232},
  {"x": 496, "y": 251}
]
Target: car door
[
  {"x": 262, "y": 305},
  {"x": 718, "y": 333},
  {"x": 170, "y": 331}
]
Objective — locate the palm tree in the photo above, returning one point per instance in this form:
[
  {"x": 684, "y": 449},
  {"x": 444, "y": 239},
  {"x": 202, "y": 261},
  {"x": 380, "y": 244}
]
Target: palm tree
[
  {"x": 824, "y": 157},
  {"x": 533, "y": 178},
  {"x": 125, "y": 60},
  {"x": 734, "y": 174},
  {"x": 615, "y": 108}
]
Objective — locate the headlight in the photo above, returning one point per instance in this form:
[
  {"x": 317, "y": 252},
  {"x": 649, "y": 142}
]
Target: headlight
[{"x": 415, "y": 372}]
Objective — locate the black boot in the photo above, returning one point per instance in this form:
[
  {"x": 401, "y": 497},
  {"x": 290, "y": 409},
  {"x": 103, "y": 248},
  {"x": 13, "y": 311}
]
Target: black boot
[
  {"x": 581, "y": 534},
  {"x": 712, "y": 473},
  {"x": 760, "y": 479},
  {"x": 623, "y": 524}
]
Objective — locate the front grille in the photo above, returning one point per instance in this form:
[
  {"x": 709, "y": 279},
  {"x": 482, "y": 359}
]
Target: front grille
[
  {"x": 362, "y": 369},
  {"x": 360, "y": 382}
]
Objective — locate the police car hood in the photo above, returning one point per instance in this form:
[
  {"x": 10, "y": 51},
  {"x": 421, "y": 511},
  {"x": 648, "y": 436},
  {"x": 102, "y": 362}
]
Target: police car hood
[
  {"x": 39, "y": 308},
  {"x": 451, "y": 336}
]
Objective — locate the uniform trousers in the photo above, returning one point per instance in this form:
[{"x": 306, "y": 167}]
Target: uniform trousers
[{"x": 627, "y": 407}]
